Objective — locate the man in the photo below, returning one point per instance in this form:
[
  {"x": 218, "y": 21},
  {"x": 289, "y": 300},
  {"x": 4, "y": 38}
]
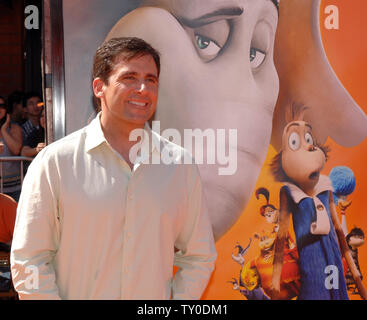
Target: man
[
  {"x": 97, "y": 224},
  {"x": 36, "y": 140},
  {"x": 16, "y": 109},
  {"x": 33, "y": 110}
]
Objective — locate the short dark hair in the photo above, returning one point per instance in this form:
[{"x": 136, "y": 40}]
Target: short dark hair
[
  {"x": 15, "y": 97},
  {"x": 29, "y": 95},
  {"x": 125, "y": 47}
]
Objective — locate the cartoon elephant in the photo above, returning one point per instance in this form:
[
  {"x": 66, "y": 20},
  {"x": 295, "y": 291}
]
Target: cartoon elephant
[{"x": 236, "y": 64}]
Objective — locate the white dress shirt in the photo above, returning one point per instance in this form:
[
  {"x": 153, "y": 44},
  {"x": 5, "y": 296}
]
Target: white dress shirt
[{"x": 89, "y": 227}]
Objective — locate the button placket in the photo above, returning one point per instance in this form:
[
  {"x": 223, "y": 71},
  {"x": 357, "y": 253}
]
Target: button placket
[{"x": 127, "y": 236}]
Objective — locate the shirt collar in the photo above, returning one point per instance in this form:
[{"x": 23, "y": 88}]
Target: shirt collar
[
  {"x": 324, "y": 184},
  {"x": 95, "y": 136}
]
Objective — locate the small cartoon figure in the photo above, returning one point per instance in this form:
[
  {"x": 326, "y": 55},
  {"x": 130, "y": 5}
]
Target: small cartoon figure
[
  {"x": 355, "y": 239},
  {"x": 308, "y": 197},
  {"x": 258, "y": 272},
  {"x": 252, "y": 289},
  {"x": 268, "y": 211},
  {"x": 255, "y": 294}
]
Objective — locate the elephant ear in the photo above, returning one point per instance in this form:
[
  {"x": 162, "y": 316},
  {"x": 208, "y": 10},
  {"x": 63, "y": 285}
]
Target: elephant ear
[{"x": 306, "y": 77}]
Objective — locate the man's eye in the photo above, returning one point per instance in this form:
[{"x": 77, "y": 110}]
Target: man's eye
[
  {"x": 257, "y": 57},
  {"x": 208, "y": 48}
]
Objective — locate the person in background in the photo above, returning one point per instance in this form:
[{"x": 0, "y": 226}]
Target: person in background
[
  {"x": 11, "y": 141},
  {"x": 16, "y": 109},
  {"x": 35, "y": 142},
  {"x": 31, "y": 102}
]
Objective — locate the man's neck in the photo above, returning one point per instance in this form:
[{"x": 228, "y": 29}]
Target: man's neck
[
  {"x": 34, "y": 120},
  {"x": 117, "y": 135}
]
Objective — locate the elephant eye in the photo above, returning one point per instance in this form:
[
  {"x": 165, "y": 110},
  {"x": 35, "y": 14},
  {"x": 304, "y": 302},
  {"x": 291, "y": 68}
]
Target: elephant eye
[
  {"x": 210, "y": 39},
  {"x": 261, "y": 44},
  {"x": 208, "y": 47},
  {"x": 257, "y": 57}
]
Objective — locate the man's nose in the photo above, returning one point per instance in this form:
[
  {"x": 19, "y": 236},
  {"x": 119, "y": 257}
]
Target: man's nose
[{"x": 142, "y": 87}]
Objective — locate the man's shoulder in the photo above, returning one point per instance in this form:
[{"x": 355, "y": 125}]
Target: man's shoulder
[{"x": 64, "y": 146}]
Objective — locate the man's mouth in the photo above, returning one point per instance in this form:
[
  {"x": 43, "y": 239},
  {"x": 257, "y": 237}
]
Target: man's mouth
[
  {"x": 139, "y": 103},
  {"x": 314, "y": 175}
]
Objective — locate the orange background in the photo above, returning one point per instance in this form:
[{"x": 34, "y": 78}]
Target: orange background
[{"x": 346, "y": 49}]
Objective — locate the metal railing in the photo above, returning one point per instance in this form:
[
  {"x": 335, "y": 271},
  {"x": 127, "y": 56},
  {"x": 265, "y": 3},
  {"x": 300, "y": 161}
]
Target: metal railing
[{"x": 13, "y": 159}]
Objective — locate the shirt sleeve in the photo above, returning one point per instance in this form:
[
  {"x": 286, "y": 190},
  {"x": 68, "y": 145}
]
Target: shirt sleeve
[
  {"x": 36, "y": 233},
  {"x": 196, "y": 253}
]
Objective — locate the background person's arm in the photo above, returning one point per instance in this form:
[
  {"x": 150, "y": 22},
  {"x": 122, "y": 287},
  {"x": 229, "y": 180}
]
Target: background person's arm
[
  {"x": 13, "y": 138},
  {"x": 27, "y": 151},
  {"x": 196, "y": 253},
  {"x": 36, "y": 233}
]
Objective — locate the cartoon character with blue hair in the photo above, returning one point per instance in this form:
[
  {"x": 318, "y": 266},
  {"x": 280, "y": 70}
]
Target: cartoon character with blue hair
[{"x": 343, "y": 182}]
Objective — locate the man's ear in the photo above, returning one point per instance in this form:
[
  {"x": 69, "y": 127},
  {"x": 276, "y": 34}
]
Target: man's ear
[
  {"x": 98, "y": 87},
  {"x": 306, "y": 77}
]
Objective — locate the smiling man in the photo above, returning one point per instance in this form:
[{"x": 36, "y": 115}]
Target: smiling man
[{"x": 94, "y": 223}]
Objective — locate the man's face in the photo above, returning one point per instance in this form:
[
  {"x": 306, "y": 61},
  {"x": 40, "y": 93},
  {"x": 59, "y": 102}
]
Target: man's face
[
  {"x": 130, "y": 96},
  {"x": 217, "y": 72},
  {"x": 18, "y": 111},
  {"x": 32, "y": 108},
  {"x": 2, "y": 108}
]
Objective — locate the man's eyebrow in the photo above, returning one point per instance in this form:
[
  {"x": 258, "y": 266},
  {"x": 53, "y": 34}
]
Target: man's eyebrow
[
  {"x": 308, "y": 125},
  {"x": 206, "y": 18},
  {"x": 127, "y": 73},
  {"x": 151, "y": 75}
]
